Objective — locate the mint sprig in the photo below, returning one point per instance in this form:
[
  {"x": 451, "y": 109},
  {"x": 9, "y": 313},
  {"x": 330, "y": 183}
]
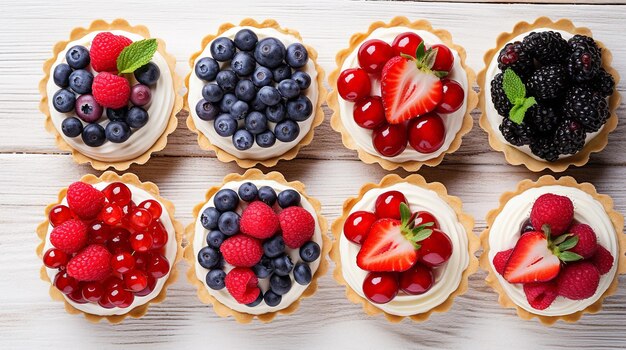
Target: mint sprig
[
  {"x": 515, "y": 91},
  {"x": 136, "y": 55}
]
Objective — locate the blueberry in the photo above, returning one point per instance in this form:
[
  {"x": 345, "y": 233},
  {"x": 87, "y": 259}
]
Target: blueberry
[
  {"x": 243, "y": 63},
  {"x": 270, "y": 52},
  {"x": 137, "y": 117},
  {"x": 280, "y": 284},
  {"x": 215, "y": 238},
  {"x": 117, "y": 113},
  {"x": 271, "y": 298},
  {"x": 71, "y": 127},
  {"x": 248, "y": 191},
  {"x": 288, "y": 88},
  {"x": 243, "y": 140},
  {"x": 266, "y": 139},
  {"x": 264, "y": 268},
  {"x": 267, "y": 195},
  {"x": 226, "y": 200},
  {"x": 148, "y": 74},
  {"x": 274, "y": 246},
  {"x": 209, "y": 218},
  {"x": 227, "y": 80},
  {"x": 208, "y": 257},
  {"x": 299, "y": 109},
  {"x": 64, "y": 101},
  {"x": 117, "y": 131},
  {"x": 257, "y": 104},
  {"x": 93, "y": 135},
  {"x": 228, "y": 223},
  {"x": 257, "y": 301},
  {"x": 227, "y": 101},
  {"x": 77, "y": 57},
  {"x": 80, "y": 81},
  {"x": 310, "y": 251},
  {"x": 269, "y": 95},
  {"x": 207, "y": 68},
  {"x": 88, "y": 109},
  {"x": 281, "y": 73},
  {"x": 297, "y": 55},
  {"x": 262, "y": 77},
  {"x": 302, "y": 78},
  {"x": 288, "y": 198},
  {"x": 282, "y": 265},
  {"x": 245, "y": 90},
  {"x": 302, "y": 273},
  {"x": 222, "y": 49},
  {"x": 225, "y": 125},
  {"x": 61, "y": 75},
  {"x": 276, "y": 113},
  {"x": 246, "y": 40},
  {"x": 215, "y": 279},
  {"x": 256, "y": 123},
  {"x": 212, "y": 92},
  {"x": 206, "y": 110},
  {"x": 287, "y": 131},
  {"x": 239, "y": 110}
]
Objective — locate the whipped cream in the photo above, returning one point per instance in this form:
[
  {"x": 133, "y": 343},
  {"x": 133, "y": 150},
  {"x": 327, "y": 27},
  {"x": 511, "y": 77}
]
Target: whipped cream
[
  {"x": 452, "y": 122},
  {"x": 138, "y": 195},
  {"x": 199, "y": 242},
  {"x": 140, "y": 140},
  {"x": 495, "y": 119},
  {"x": 225, "y": 143},
  {"x": 447, "y": 276},
  {"x": 505, "y": 233}
]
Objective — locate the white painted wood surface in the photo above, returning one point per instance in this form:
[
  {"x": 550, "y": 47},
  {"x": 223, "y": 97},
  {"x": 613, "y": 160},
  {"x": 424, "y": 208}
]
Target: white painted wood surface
[{"x": 32, "y": 170}]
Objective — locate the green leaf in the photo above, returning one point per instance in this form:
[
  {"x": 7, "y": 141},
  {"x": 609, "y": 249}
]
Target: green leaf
[
  {"x": 421, "y": 235},
  {"x": 420, "y": 52},
  {"x": 136, "y": 55},
  {"x": 513, "y": 86},
  {"x": 408, "y": 57},
  {"x": 569, "y": 256},
  {"x": 562, "y": 238},
  {"x": 546, "y": 231},
  {"x": 518, "y": 111},
  {"x": 405, "y": 214},
  {"x": 440, "y": 73},
  {"x": 429, "y": 59},
  {"x": 568, "y": 244}
]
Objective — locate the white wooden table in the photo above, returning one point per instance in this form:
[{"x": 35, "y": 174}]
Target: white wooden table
[{"x": 32, "y": 170}]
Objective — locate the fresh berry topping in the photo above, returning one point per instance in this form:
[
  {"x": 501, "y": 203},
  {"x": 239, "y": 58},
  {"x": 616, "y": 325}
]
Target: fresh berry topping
[
  {"x": 302, "y": 274},
  {"x": 158, "y": 266},
  {"x": 267, "y": 195},
  {"x": 553, "y": 210},
  {"x": 209, "y": 257},
  {"x": 310, "y": 251},
  {"x": 532, "y": 260},
  {"x": 387, "y": 205},
  {"x": 540, "y": 295},
  {"x": 241, "y": 250},
  {"x": 587, "y": 240},
  {"x": 280, "y": 285},
  {"x": 148, "y": 74},
  {"x": 119, "y": 240},
  {"x": 427, "y": 133},
  {"x": 92, "y": 291},
  {"x": 416, "y": 280},
  {"x": 118, "y": 296},
  {"x": 140, "y": 219},
  {"x": 380, "y": 287},
  {"x": 65, "y": 283},
  {"x": 242, "y": 285},
  {"x": 569, "y": 137},
  {"x": 135, "y": 281},
  {"x": 70, "y": 236},
  {"x": 226, "y": 200},
  {"x": 297, "y": 225},
  {"x": 453, "y": 96},
  {"x": 141, "y": 241},
  {"x": 111, "y": 214},
  {"x": 353, "y": 84},
  {"x": 602, "y": 260},
  {"x": 228, "y": 223},
  {"x": 88, "y": 109},
  {"x": 514, "y": 56},
  {"x": 84, "y": 200},
  {"x": 546, "y": 47},
  {"x": 586, "y": 106},
  {"x": 357, "y": 226},
  {"x": 274, "y": 246},
  {"x": 59, "y": 214},
  {"x": 369, "y": 112},
  {"x": 152, "y": 206},
  {"x": 122, "y": 262},
  {"x": 423, "y": 217},
  {"x": 585, "y": 60},
  {"x": 104, "y": 50},
  {"x": 578, "y": 281},
  {"x": 77, "y": 57},
  {"x": 259, "y": 220},
  {"x": 406, "y": 43},
  {"x": 55, "y": 258},
  {"x": 140, "y": 95},
  {"x": 501, "y": 259},
  {"x": 436, "y": 249},
  {"x": 548, "y": 82},
  {"x": 91, "y": 264},
  {"x": 373, "y": 54},
  {"x": 444, "y": 60},
  {"x": 110, "y": 90},
  {"x": 289, "y": 198},
  {"x": 390, "y": 139},
  {"x": 215, "y": 279},
  {"x": 282, "y": 265},
  {"x": 498, "y": 97},
  {"x": 159, "y": 234}
]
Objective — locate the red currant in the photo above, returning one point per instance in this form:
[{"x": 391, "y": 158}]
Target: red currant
[
  {"x": 416, "y": 280},
  {"x": 141, "y": 241},
  {"x": 98, "y": 233},
  {"x": 353, "y": 84},
  {"x": 453, "y": 96},
  {"x": 369, "y": 112},
  {"x": 357, "y": 226},
  {"x": 111, "y": 214},
  {"x": 152, "y": 206},
  {"x": 55, "y": 258},
  {"x": 65, "y": 283},
  {"x": 118, "y": 193},
  {"x": 92, "y": 291},
  {"x": 436, "y": 249},
  {"x": 406, "y": 43},
  {"x": 373, "y": 54},
  {"x": 427, "y": 133},
  {"x": 151, "y": 284},
  {"x": 77, "y": 297},
  {"x": 119, "y": 296},
  {"x": 444, "y": 59},
  {"x": 380, "y": 287},
  {"x": 158, "y": 266},
  {"x": 105, "y": 303},
  {"x": 135, "y": 281},
  {"x": 119, "y": 241},
  {"x": 122, "y": 262},
  {"x": 140, "y": 219},
  {"x": 142, "y": 260},
  {"x": 112, "y": 282},
  {"x": 388, "y": 204},
  {"x": 389, "y": 139},
  {"x": 159, "y": 234},
  {"x": 59, "y": 214},
  {"x": 424, "y": 217}
]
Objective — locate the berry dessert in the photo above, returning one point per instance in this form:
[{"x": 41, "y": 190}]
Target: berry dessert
[
  {"x": 402, "y": 95},
  {"x": 109, "y": 95},
  {"x": 405, "y": 248},
  {"x": 255, "y": 93},
  {"x": 109, "y": 246},
  {"x": 257, "y": 246},
  {"x": 554, "y": 249},
  {"x": 548, "y": 95}
]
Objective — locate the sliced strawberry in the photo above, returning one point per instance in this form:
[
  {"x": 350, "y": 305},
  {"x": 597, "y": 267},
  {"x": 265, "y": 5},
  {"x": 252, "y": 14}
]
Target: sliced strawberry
[{"x": 532, "y": 260}]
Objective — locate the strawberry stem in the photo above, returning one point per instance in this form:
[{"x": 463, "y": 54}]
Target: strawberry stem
[{"x": 412, "y": 233}]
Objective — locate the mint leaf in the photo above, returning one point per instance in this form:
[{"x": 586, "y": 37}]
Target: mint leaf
[
  {"x": 569, "y": 256},
  {"x": 513, "y": 86},
  {"x": 136, "y": 55},
  {"x": 519, "y": 109}
]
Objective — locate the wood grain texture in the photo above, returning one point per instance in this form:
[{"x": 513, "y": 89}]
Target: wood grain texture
[{"x": 33, "y": 170}]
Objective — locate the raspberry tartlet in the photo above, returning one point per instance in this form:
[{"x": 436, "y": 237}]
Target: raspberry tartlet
[
  {"x": 257, "y": 246},
  {"x": 402, "y": 94},
  {"x": 109, "y": 247},
  {"x": 405, "y": 248},
  {"x": 255, "y": 93},
  {"x": 110, "y": 94},
  {"x": 554, "y": 249},
  {"x": 548, "y": 96}
]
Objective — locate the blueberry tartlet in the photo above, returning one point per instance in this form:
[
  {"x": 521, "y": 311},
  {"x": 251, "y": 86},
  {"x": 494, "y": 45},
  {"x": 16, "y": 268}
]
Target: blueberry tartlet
[
  {"x": 548, "y": 95},
  {"x": 109, "y": 94},
  {"x": 257, "y": 246},
  {"x": 254, "y": 93}
]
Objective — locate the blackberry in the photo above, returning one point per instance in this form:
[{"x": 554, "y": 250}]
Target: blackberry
[
  {"x": 513, "y": 56},
  {"x": 516, "y": 134},
  {"x": 546, "y": 47},
  {"x": 603, "y": 83},
  {"x": 498, "y": 97},
  {"x": 569, "y": 137},
  {"x": 545, "y": 148},
  {"x": 543, "y": 118},
  {"x": 548, "y": 82},
  {"x": 585, "y": 59},
  {"x": 587, "y": 107}
]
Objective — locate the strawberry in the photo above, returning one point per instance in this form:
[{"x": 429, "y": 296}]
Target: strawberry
[
  {"x": 578, "y": 281},
  {"x": 540, "y": 295},
  {"x": 532, "y": 260},
  {"x": 110, "y": 90},
  {"x": 602, "y": 260},
  {"x": 552, "y": 210},
  {"x": 84, "y": 200},
  {"x": 259, "y": 220},
  {"x": 91, "y": 264},
  {"x": 500, "y": 260},
  {"x": 243, "y": 285},
  {"x": 105, "y": 47},
  {"x": 242, "y": 250},
  {"x": 587, "y": 240},
  {"x": 70, "y": 236},
  {"x": 298, "y": 226}
]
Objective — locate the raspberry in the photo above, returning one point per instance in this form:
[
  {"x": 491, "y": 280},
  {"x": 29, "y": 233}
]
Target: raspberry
[
  {"x": 587, "y": 240},
  {"x": 70, "y": 236},
  {"x": 602, "y": 260},
  {"x": 500, "y": 260},
  {"x": 552, "y": 210},
  {"x": 298, "y": 226},
  {"x": 540, "y": 295},
  {"x": 242, "y": 284},
  {"x": 105, "y": 47},
  {"x": 85, "y": 200},
  {"x": 91, "y": 264},
  {"x": 259, "y": 220},
  {"x": 578, "y": 281},
  {"x": 110, "y": 90},
  {"x": 241, "y": 250}
]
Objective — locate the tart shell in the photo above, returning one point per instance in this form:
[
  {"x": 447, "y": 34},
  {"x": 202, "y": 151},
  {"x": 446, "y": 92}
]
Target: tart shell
[
  {"x": 318, "y": 113},
  {"x": 159, "y": 144},
  {"x": 132, "y": 179},
  {"x": 333, "y": 98},
  {"x": 618, "y": 223},
  {"x": 223, "y": 310},
  {"x": 516, "y": 157},
  {"x": 465, "y": 219}
]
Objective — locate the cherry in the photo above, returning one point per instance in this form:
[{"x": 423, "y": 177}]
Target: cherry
[
  {"x": 141, "y": 241},
  {"x": 424, "y": 217},
  {"x": 118, "y": 193},
  {"x": 98, "y": 233},
  {"x": 105, "y": 303},
  {"x": 59, "y": 214},
  {"x": 453, "y": 96},
  {"x": 122, "y": 262},
  {"x": 357, "y": 226},
  {"x": 373, "y": 54},
  {"x": 158, "y": 266},
  {"x": 444, "y": 59},
  {"x": 119, "y": 296},
  {"x": 65, "y": 283},
  {"x": 389, "y": 139},
  {"x": 353, "y": 84},
  {"x": 119, "y": 241},
  {"x": 427, "y": 133},
  {"x": 92, "y": 291},
  {"x": 77, "y": 297},
  {"x": 142, "y": 260},
  {"x": 159, "y": 234},
  {"x": 111, "y": 214},
  {"x": 436, "y": 249},
  {"x": 55, "y": 258},
  {"x": 112, "y": 282},
  {"x": 416, "y": 280},
  {"x": 406, "y": 43},
  {"x": 140, "y": 219},
  {"x": 380, "y": 287},
  {"x": 152, "y": 206},
  {"x": 151, "y": 284},
  {"x": 388, "y": 204},
  {"x": 135, "y": 281},
  {"x": 369, "y": 112}
]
